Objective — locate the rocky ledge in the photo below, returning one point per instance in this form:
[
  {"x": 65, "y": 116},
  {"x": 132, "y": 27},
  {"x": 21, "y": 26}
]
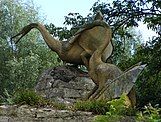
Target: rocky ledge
[{"x": 26, "y": 113}]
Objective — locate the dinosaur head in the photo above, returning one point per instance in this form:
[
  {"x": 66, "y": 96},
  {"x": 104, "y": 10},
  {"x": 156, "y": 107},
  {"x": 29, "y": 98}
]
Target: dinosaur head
[
  {"x": 98, "y": 16},
  {"x": 23, "y": 32}
]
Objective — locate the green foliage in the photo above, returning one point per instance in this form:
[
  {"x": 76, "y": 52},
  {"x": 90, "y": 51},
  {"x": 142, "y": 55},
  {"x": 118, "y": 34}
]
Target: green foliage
[
  {"x": 75, "y": 20},
  {"x": 150, "y": 80},
  {"x": 95, "y": 106},
  {"x": 26, "y": 69},
  {"x": 1, "y": 101},
  {"x": 127, "y": 13},
  {"x": 21, "y": 70},
  {"x": 12, "y": 12},
  {"x": 15, "y": 14},
  {"x": 119, "y": 107},
  {"x": 8, "y": 98},
  {"x": 60, "y": 106},
  {"x": 105, "y": 118},
  {"x": 30, "y": 97},
  {"x": 125, "y": 43},
  {"x": 114, "y": 107},
  {"x": 60, "y": 32},
  {"x": 150, "y": 114},
  {"x": 117, "y": 110},
  {"x": 21, "y": 64}
]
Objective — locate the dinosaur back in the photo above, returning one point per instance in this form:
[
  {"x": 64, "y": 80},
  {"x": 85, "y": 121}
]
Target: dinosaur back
[{"x": 93, "y": 38}]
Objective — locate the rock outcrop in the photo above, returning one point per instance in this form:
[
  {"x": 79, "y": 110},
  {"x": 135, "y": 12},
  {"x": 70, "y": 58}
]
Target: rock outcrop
[{"x": 64, "y": 84}]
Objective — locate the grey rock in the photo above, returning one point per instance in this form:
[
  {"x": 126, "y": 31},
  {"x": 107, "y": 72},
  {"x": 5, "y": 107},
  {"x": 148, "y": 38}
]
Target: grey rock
[
  {"x": 26, "y": 113},
  {"x": 64, "y": 84}
]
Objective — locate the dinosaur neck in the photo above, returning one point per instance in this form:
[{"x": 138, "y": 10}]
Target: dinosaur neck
[
  {"x": 96, "y": 58},
  {"x": 53, "y": 44}
]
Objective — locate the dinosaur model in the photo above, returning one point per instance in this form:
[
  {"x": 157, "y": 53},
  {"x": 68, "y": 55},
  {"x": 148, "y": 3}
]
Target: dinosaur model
[
  {"x": 102, "y": 73},
  {"x": 80, "y": 47}
]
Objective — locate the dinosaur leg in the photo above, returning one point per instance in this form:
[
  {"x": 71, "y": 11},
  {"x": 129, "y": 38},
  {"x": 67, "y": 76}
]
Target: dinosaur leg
[
  {"x": 84, "y": 56},
  {"x": 101, "y": 87},
  {"x": 101, "y": 81},
  {"x": 96, "y": 93},
  {"x": 91, "y": 92}
]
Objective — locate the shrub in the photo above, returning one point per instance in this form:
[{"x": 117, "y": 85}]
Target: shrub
[
  {"x": 119, "y": 107},
  {"x": 150, "y": 114},
  {"x": 117, "y": 110}
]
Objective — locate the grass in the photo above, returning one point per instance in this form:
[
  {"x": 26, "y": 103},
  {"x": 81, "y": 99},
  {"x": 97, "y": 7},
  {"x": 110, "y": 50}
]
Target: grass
[
  {"x": 95, "y": 106},
  {"x": 30, "y": 97}
]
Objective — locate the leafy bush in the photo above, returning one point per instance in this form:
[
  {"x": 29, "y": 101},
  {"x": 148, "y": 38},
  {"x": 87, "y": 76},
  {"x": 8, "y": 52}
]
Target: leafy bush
[
  {"x": 117, "y": 110},
  {"x": 150, "y": 114},
  {"x": 120, "y": 107},
  {"x": 95, "y": 106}
]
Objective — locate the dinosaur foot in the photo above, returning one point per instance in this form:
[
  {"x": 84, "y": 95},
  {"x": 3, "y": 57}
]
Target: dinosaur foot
[{"x": 98, "y": 94}]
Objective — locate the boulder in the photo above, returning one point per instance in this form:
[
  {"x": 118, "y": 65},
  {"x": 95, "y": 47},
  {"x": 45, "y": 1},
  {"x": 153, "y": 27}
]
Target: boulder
[{"x": 64, "y": 84}]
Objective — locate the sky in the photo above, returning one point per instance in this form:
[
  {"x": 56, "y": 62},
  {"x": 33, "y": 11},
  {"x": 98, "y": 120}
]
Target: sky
[{"x": 55, "y": 10}]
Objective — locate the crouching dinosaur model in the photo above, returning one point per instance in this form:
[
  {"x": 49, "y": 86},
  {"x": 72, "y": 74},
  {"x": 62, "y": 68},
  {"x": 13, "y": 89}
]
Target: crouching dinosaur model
[
  {"x": 78, "y": 48},
  {"x": 103, "y": 73}
]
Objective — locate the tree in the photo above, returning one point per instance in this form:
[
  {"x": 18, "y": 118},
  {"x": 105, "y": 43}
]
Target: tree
[{"x": 21, "y": 64}]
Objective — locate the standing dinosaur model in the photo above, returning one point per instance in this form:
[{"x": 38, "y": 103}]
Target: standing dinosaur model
[
  {"x": 80, "y": 47},
  {"x": 102, "y": 73}
]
